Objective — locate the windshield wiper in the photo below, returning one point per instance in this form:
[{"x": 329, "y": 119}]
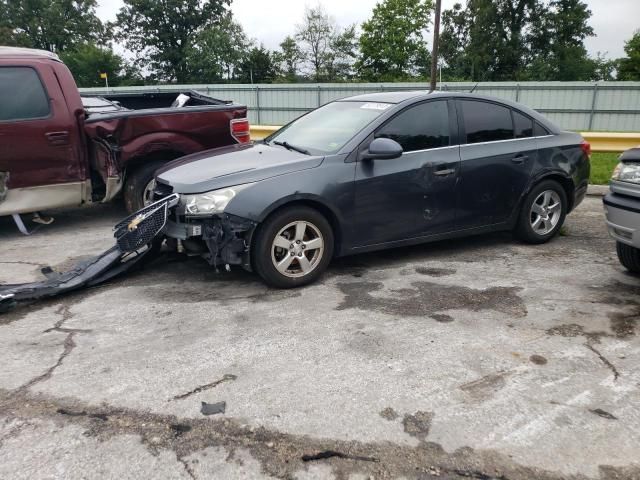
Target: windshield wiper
[{"x": 288, "y": 146}]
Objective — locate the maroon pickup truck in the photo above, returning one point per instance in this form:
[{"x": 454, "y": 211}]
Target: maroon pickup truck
[{"x": 59, "y": 149}]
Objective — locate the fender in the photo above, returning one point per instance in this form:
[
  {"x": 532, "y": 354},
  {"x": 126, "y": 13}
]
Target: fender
[
  {"x": 301, "y": 197},
  {"x": 545, "y": 173}
]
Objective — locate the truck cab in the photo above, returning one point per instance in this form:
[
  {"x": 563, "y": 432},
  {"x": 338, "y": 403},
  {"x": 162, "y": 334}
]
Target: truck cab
[{"x": 43, "y": 155}]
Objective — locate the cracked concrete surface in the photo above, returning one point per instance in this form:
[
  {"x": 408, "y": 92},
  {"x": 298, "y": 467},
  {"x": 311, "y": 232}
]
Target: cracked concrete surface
[{"x": 474, "y": 358}]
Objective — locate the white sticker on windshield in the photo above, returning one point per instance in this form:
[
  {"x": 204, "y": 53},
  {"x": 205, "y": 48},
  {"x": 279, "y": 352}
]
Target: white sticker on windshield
[{"x": 376, "y": 106}]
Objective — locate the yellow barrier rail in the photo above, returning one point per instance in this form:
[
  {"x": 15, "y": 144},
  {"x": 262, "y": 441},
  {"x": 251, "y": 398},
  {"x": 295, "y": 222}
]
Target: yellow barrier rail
[
  {"x": 258, "y": 132},
  {"x": 612, "y": 141},
  {"x": 600, "y": 141}
]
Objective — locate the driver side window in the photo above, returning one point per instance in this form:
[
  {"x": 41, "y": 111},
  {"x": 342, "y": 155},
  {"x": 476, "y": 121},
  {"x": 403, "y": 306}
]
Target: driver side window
[{"x": 420, "y": 127}]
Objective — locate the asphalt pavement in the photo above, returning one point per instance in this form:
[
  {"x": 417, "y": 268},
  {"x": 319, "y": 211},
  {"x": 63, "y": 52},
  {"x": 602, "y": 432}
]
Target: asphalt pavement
[{"x": 475, "y": 358}]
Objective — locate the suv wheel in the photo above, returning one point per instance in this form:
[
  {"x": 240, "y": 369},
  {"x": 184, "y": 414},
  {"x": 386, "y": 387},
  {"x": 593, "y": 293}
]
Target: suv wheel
[
  {"x": 542, "y": 213},
  {"x": 629, "y": 257},
  {"x": 293, "y": 247}
]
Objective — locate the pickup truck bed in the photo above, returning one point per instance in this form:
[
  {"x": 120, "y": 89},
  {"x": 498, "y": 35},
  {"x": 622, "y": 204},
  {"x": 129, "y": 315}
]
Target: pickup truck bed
[{"x": 148, "y": 100}]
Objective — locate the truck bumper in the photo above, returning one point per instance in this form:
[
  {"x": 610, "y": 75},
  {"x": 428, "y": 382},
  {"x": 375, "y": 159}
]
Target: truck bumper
[{"x": 623, "y": 218}]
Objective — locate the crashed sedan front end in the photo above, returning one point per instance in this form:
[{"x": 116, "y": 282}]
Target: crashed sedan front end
[{"x": 199, "y": 225}]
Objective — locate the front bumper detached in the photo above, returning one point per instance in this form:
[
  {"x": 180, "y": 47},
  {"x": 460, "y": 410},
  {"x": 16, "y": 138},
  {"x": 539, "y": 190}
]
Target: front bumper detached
[{"x": 135, "y": 236}]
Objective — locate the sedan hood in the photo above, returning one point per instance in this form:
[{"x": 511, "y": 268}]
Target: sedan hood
[{"x": 233, "y": 165}]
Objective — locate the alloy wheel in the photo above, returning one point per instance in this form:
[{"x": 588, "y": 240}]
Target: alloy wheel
[
  {"x": 297, "y": 249},
  {"x": 545, "y": 212}
]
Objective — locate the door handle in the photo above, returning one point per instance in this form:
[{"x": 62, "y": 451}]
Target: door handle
[
  {"x": 57, "y": 138},
  {"x": 447, "y": 171},
  {"x": 519, "y": 159}
]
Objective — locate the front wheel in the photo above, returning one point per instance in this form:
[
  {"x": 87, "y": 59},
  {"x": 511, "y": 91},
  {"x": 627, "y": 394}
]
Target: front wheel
[
  {"x": 293, "y": 247},
  {"x": 629, "y": 257},
  {"x": 542, "y": 213}
]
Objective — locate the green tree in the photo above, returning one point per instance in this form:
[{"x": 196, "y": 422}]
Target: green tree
[
  {"x": 603, "y": 68},
  {"x": 6, "y": 32},
  {"x": 288, "y": 59},
  {"x": 629, "y": 66},
  {"x": 315, "y": 36},
  {"x": 519, "y": 40},
  {"x": 453, "y": 40},
  {"x": 162, "y": 33},
  {"x": 488, "y": 39},
  {"x": 87, "y": 61},
  {"x": 392, "y": 43},
  {"x": 217, "y": 52},
  {"x": 342, "y": 55},
  {"x": 557, "y": 42},
  {"x": 257, "y": 67},
  {"x": 54, "y": 25}
]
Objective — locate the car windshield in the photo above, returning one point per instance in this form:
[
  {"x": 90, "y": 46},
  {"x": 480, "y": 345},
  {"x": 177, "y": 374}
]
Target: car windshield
[{"x": 327, "y": 129}]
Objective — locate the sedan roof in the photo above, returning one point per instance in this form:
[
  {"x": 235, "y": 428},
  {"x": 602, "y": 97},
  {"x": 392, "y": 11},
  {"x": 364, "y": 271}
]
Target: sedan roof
[
  {"x": 386, "y": 97},
  {"x": 418, "y": 95}
]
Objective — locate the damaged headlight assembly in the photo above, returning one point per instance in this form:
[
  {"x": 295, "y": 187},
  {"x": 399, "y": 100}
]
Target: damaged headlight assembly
[{"x": 209, "y": 203}]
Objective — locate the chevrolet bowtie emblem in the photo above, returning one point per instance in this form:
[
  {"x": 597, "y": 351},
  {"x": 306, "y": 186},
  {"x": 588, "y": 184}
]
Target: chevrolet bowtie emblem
[{"x": 133, "y": 225}]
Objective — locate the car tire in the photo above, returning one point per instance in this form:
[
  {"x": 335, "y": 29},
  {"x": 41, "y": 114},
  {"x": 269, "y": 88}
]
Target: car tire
[
  {"x": 542, "y": 213},
  {"x": 629, "y": 257},
  {"x": 301, "y": 232},
  {"x": 137, "y": 186}
]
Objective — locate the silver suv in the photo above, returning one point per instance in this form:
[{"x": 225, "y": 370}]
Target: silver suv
[{"x": 622, "y": 209}]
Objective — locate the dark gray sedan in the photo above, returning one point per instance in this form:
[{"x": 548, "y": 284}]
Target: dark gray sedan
[{"x": 373, "y": 172}]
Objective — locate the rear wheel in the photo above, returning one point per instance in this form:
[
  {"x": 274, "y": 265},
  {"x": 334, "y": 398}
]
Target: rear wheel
[
  {"x": 139, "y": 186},
  {"x": 542, "y": 213},
  {"x": 629, "y": 257},
  {"x": 293, "y": 247}
]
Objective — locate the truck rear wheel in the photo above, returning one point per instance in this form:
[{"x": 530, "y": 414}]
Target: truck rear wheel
[
  {"x": 629, "y": 257},
  {"x": 138, "y": 188}
]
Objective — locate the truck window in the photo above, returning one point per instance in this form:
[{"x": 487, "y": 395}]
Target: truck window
[{"x": 22, "y": 95}]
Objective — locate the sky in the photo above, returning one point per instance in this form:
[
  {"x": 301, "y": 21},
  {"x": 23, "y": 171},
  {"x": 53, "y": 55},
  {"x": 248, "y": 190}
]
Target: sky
[{"x": 269, "y": 21}]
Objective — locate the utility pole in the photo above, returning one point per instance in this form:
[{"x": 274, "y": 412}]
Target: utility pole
[{"x": 436, "y": 41}]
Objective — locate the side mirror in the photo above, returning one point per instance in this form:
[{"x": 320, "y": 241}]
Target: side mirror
[{"x": 382, "y": 149}]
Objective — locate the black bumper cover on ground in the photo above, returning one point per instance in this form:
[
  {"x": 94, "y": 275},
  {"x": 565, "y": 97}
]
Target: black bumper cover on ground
[{"x": 134, "y": 237}]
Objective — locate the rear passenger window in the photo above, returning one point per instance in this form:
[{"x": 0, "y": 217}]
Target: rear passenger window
[
  {"x": 486, "y": 122},
  {"x": 523, "y": 125},
  {"x": 419, "y": 128},
  {"x": 539, "y": 130},
  {"x": 22, "y": 96}
]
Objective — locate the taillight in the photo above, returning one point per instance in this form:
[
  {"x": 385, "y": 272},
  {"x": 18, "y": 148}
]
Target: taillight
[
  {"x": 240, "y": 130},
  {"x": 586, "y": 148}
]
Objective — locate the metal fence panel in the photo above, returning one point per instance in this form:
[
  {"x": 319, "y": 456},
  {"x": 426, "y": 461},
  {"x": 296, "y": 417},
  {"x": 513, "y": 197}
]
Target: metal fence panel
[{"x": 606, "y": 106}]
